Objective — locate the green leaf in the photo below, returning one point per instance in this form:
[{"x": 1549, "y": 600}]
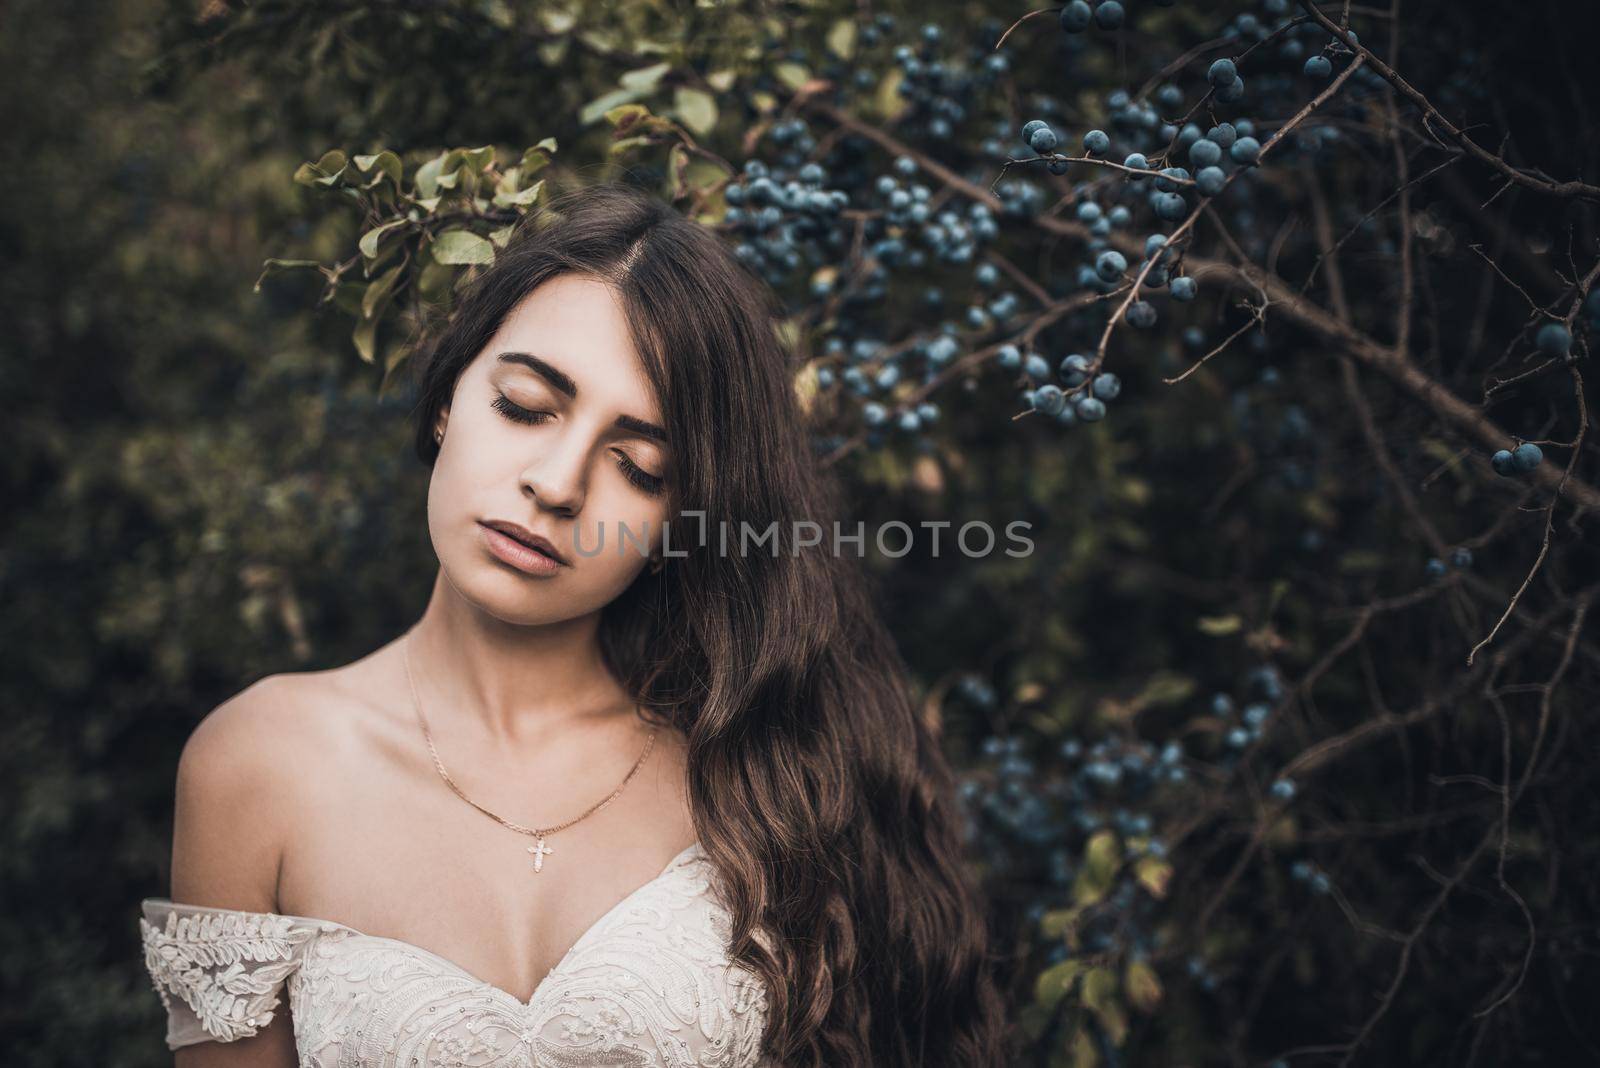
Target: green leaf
[
  {"x": 1216, "y": 626},
  {"x": 273, "y": 265},
  {"x": 369, "y": 240},
  {"x": 645, "y": 79},
  {"x": 385, "y": 162},
  {"x": 1153, "y": 874},
  {"x": 842, "y": 38},
  {"x": 520, "y": 199},
  {"x": 604, "y": 104},
  {"x": 1100, "y": 997},
  {"x": 325, "y": 171},
  {"x": 434, "y": 281},
  {"x": 1165, "y": 688},
  {"x": 459, "y": 247},
  {"x": 1144, "y": 987},
  {"x": 501, "y": 236},
  {"x": 697, "y": 108},
  {"x": 1100, "y": 863},
  {"x": 1054, "y": 982},
  {"x": 365, "y": 337},
  {"x": 537, "y": 158},
  {"x": 431, "y": 175},
  {"x": 627, "y": 143},
  {"x": 794, "y": 75},
  {"x": 887, "y": 100},
  {"x": 378, "y": 291},
  {"x": 1055, "y": 923},
  {"x": 1084, "y": 1053},
  {"x": 479, "y": 158},
  {"x": 624, "y": 117}
]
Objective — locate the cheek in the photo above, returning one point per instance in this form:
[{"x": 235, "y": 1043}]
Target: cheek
[{"x": 625, "y": 522}]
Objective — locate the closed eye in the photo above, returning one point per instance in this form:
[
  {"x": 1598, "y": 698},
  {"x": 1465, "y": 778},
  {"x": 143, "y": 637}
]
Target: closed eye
[{"x": 644, "y": 480}]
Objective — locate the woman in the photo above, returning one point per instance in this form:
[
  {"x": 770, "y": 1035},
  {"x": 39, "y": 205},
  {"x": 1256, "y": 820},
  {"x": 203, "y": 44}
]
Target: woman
[{"x": 710, "y": 826}]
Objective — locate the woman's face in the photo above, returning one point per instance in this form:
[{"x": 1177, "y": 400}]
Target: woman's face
[{"x": 591, "y": 460}]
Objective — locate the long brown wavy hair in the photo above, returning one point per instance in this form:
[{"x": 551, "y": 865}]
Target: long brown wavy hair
[{"x": 821, "y": 797}]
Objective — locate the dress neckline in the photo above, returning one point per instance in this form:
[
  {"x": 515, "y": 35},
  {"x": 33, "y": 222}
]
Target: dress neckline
[{"x": 690, "y": 851}]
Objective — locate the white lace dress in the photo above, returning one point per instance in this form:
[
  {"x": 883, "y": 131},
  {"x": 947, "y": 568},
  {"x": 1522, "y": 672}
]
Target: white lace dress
[{"x": 649, "y": 984}]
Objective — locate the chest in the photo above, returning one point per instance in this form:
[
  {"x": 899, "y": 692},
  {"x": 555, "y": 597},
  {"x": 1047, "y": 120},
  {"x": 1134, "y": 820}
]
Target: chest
[{"x": 386, "y": 848}]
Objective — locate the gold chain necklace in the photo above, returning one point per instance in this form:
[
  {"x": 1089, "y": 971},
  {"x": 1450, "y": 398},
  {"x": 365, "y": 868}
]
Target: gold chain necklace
[{"x": 539, "y": 849}]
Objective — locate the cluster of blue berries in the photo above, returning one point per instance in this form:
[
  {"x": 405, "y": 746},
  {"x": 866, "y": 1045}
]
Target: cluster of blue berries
[
  {"x": 1077, "y": 15},
  {"x": 1517, "y": 461},
  {"x": 938, "y": 93},
  {"x": 783, "y": 223},
  {"x": 1460, "y": 558},
  {"x": 1089, "y": 403}
]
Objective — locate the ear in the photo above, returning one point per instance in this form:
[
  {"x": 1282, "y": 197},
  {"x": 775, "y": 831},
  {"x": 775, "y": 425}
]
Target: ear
[{"x": 440, "y": 422}]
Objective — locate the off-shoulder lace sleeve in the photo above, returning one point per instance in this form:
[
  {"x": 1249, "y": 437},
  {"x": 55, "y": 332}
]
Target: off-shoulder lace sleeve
[{"x": 218, "y": 971}]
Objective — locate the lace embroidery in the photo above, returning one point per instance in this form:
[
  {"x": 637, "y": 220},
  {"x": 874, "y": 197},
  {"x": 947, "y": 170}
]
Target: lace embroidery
[
  {"x": 204, "y": 960},
  {"x": 649, "y": 986}
]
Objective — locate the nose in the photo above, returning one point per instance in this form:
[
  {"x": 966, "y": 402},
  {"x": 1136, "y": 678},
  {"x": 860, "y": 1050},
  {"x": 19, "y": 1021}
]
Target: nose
[{"x": 555, "y": 475}]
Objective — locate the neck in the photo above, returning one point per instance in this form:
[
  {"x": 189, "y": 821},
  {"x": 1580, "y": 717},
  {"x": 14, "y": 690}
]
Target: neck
[{"x": 516, "y": 686}]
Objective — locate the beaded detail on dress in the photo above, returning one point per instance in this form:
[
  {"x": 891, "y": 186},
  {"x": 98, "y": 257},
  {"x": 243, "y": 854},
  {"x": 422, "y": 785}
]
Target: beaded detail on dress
[{"x": 649, "y": 985}]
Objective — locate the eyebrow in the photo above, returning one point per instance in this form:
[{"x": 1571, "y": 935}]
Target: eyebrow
[{"x": 563, "y": 383}]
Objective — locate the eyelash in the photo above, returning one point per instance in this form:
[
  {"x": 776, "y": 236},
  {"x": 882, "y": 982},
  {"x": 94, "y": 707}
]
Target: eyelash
[{"x": 641, "y": 478}]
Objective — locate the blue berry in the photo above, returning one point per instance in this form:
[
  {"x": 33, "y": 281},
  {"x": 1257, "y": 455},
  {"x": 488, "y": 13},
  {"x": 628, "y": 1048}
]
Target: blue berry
[
  {"x": 1183, "y": 288},
  {"x": 1204, "y": 153},
  {"x": 1049, "y": 399},
  {"x": 1553, "y": 339},
  {"x": 1211, "y": 180},
  {"x": 1526, "y": 457},
  {"x": 1106, "y": 386},
  {"x": 1171, "y": 206},
  {"x": 1110, "y": 264},
  {"x": 1222, "y": 73},
  {"x": 1283, "y": 789},
  {"x": 1246, "y": 150},
  {"x": 1075, "y": 16},
  {"x": 1109, "y": 15},
  {"x": 1318, "y": 67},
  {"x": 1075, "y": 370},
  {"x": 1461, "y": 556},
  {"x": 1092, "y": 410},
  {"x": 1435, "y": 567},
  {"x": 1137, "y": 162},
  {"x": 1042, "y": 140},
  {"x": 1096, "y": 142},
  {"x": 1502, "y": 462},
  {"x": 1142, "y": 314}
]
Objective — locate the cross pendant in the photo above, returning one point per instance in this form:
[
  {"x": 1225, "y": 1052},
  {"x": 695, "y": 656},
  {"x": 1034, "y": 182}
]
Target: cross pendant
[{"x": 539, "y": 852}]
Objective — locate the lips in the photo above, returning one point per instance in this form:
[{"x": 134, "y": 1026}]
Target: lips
[{"x": 516, "y": 532}]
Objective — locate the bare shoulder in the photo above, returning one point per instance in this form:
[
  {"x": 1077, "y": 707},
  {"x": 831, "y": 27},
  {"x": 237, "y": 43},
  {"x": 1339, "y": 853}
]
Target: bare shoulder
[{"x": 242, "y": 786}]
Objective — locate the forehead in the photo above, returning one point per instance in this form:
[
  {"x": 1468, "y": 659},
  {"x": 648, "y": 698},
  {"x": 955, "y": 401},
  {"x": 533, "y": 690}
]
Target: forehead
[
  {"x": 575, "y": 321},
  {"x": 578, "y": 325}
]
